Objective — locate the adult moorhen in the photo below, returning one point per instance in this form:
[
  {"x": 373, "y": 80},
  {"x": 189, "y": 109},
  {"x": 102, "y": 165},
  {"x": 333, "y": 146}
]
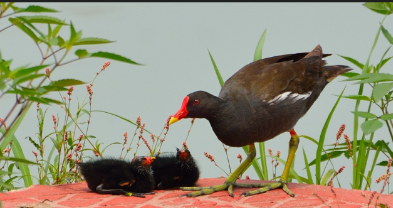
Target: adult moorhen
[
  {"x": 260, "y": 101},
  {"x": 115, "y": 176},
  {"x": 175, "y": 170}
]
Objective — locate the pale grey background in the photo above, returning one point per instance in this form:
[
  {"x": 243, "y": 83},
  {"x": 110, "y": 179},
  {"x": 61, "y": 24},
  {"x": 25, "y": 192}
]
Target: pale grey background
[{"x": 172, "y": 41}]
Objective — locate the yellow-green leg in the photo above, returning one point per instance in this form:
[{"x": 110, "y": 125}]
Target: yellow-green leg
[
  {"x": 293, "y": 144},
  {"x": 228, "y": 184}
]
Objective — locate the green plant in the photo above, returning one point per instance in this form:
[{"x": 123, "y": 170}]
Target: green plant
[
  {"x": 359, "y": 149},
  {"x": 30, "y": 83}
]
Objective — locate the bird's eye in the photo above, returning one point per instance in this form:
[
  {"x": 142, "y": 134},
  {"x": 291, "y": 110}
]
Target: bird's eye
[{"x": 196, "y": 102}]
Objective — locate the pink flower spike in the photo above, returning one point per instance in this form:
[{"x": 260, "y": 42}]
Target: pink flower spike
[
  {"x": 106, "y": 64},
  {"x": 47, "y": 72},
  {"x": 70, "y": 90}
]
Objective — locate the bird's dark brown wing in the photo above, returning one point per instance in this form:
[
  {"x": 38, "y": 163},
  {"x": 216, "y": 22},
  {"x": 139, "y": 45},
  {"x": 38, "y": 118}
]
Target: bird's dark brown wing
[{"x": 267, "y": 78}]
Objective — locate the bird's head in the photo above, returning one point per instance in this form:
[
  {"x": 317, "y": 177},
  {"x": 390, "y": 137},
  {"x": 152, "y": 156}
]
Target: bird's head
[
  {"x": 199, "y": 104},
  {"x": 183, "y": 154},
  {"x": 143, "y": 161}
]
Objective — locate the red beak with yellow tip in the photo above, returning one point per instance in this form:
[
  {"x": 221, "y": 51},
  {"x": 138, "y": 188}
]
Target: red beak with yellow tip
[{"x": 181, "y": 113}]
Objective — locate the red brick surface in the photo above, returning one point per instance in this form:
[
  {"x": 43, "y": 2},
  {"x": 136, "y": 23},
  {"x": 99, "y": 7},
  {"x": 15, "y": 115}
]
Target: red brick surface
[{"x": 78, "y": 195}]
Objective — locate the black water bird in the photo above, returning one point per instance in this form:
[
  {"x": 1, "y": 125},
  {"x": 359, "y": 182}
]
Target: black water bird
[
  {"x": 175, "y": 170},
  {"x": 116, "y": 176},
  {"x": 260, "y": 101}
]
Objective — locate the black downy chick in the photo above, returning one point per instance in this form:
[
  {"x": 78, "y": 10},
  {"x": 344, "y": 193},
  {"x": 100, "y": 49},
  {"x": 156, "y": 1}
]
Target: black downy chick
[
  {"x": 173, "y": 171},
  {"x": 115, "y": 176}
]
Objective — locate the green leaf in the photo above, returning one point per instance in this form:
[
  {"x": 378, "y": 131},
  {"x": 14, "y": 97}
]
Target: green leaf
[
  {"x": 322, "y": 140},
  {"x": 73, "y": 33},
  {"x": 378, "y": 7},
  {"x": 44, "y": 100},
  {"x": 5, "y": 67},
  {"x": 357, "y": 63},
  {"x": 113, "y": 56},
  {"x": 28, "y": 23},
  {"x": 261, "y": 170},
  {"x": 258, "y": 50},
  {"x": 25, "y": 92},
  {"x": 91, "y": 41},
  {"x": 27, "y": 71},
  {"x": 350, "y": 74},
  {"x": 24, "y": 169},
  {"x": 43, "y": 19},
  {"x": 387, "y": 34},
  {"x": 34, "y": 8},
  {"x": 66, "y": 82},
  {"x": 364, "y": 114},
  {"x": 309, "y": 138},
  {"x": 27, "y": 78},
  {"x": 101, "y": 111},
  {"x": 53, "y": 41},
  {"x": 358, "y": 77},
  {"x": 381, "y": 90},
  {"x": 327, "y": 156},
  {"x": 220, "y": 80},
  {"x": 357, "y": 97},
  {"x": 56, "y": 30},
  {"x": 387, "y": 116},
  {"x": 376, "y": 77},
  {"x": 25, "y": 29},
  {"x": 327, "y": 176},
  {"x": 49, "y": 32},
  {"x": 389, "y": 5},
  {"x": 49, "y": 88},
  {"x": 8, "y": 135},
  {"x": 371, "y": 126},
  {"x": 383, "y": 163},
  {"x": 19, "y": 160},
  {"x": 61, "y": 42},
  {"x": 56, "y": 41},
  {"x": 81, "y": 53},
  {"x": 309, "y": 176}
]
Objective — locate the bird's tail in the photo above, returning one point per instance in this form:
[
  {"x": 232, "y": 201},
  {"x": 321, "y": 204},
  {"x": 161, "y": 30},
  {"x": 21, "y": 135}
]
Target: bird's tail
[
  {"x": 331, "y": 72},
  {"x": 317, "y": 51}
]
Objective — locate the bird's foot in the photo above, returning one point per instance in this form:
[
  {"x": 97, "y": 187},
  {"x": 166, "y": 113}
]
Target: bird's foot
[
  {"x": 197, "y": 191},
  {"x": 264, "y": 187}
]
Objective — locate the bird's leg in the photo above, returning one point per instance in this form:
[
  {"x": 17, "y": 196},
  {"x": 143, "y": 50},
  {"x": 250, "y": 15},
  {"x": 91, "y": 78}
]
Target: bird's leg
[
  {"x": 293, "y": 144},
  {"x": 228, "y": 184},
  {"x": 101, "y": 190}
]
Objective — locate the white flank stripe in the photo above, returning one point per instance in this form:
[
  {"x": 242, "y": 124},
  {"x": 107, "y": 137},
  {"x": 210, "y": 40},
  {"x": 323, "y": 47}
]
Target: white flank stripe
[{"x": 293, "y": 97}]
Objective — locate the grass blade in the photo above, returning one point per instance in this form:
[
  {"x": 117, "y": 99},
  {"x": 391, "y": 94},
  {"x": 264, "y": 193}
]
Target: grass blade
[
  {"x": 309, "y": 177},
  {"x": 8, "y": 135},
  {"x": 23, "y": 167},
  {"x": 217, "y": 71},
  {"x": 101, "y": 111},
  {"x": 291, "y": 170},
  {"x": 327, "y": 176},
  {"x": 322, "y": 140},
  {"x": 258, "y": 50},
  {"x": 262, "y": 152}
]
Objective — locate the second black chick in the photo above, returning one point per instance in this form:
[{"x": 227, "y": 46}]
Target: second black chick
[
  {"x": 115, "y": 176},
  {"x": 173, "y": 171}
]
